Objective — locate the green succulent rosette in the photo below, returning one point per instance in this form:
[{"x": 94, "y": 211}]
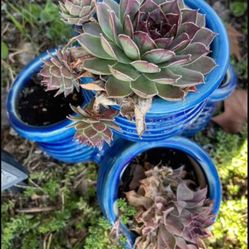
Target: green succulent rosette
[{"x": 150, "y": 48}]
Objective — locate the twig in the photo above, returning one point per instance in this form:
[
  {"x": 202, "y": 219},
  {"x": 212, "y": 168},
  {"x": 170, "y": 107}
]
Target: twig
[
  {"x": 5, "y": 29},
  {"x": 29, "y": 155},
  {"x": 37, "y": 186},
  {"x": 79, "y": 178},
  {"x": 25, "y": 187},
  {"x": 11, "y": 74},
  {"x": 36, "y": 210},
  {"x": 45, "y": 241},
  {"x": 49, "y": 240},
  {"x": 35, "y": 166},
  {"x": 62, "y": 200},
  {"x": 11, "y": 56}
]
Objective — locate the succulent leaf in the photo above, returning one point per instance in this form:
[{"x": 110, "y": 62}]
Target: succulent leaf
[
  {"x": 111, "y": 88},
  {"x": 92, "y": 44},
  {"x": 103, "y": 14},
  {"x": 92, "y": 28},
  {"x": 129, "y": 46},
  {"x": 158, "y": 55},
  {"x": 138, "y": 86},
  {"x": 124, "y": 72},
  {"x": 170, "y": 93},
  {"x": 205, "y": 36},
  {"x": 98, "y": 66},
  {"x": 163, "y": 77},
  {"x": 204, "y": 65}
]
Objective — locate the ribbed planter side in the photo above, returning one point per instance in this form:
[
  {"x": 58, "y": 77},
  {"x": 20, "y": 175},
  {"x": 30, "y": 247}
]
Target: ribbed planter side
[
  {"x": 56, "y": 139},
  {"x": 166, "y": 119},
  {"x": 219, "y": 95},
  {"x": 157, "y": 128},
  {"x": 116, "y": 160}
]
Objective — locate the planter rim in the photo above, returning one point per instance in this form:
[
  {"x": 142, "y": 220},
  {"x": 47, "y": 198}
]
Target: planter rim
[
  {"x": 223, "y": 92},
  {"x": 134, "y": 149},
  {"x": 36, "y": 133}
]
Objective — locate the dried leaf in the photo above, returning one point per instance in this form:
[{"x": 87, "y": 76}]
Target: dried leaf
[
  {"x": 234, "y": 36},
  {"x": 102, "y": 99},
  {"x": 25, "y": 53},
  {"x": 138, "y": 175},
  {"x": 127, "y": 108},
  {"x": 137, "y": 200},
  {"x": 94, "y": 86},
  {"x": 235, "y": 114},
  {"x": 142, "y": 106}
]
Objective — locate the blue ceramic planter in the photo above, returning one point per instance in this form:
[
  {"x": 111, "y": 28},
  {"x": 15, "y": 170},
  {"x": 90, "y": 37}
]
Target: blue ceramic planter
[
  {"x": 118, "y": 158},
  {"x": 56, "y": 139},
  {"x": 166, "y": 119},
  {"x": 223, "y": 92}
]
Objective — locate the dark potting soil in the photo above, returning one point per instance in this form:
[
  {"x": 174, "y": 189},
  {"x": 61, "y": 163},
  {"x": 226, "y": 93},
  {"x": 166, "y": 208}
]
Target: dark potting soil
[
  {"x": 40, "y": 108},
  {"x": 160, "y": 156}
]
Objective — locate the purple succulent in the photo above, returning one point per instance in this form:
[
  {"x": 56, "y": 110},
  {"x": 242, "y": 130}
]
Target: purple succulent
[{"x": 170, "y": 213}]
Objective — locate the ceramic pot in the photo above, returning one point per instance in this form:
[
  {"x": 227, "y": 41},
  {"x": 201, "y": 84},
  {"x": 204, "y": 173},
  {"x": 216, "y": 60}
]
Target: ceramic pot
[
  {"x": 166, "y": 119},
  {"x": 55, "y": 139},
  {"x": 117, "y": 159},
  {"x": 222, "y": 93}
]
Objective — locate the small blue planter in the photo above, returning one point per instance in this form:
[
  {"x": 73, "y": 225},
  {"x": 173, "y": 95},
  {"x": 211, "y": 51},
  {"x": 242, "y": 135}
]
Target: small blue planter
[
  {"x": 118, "y": 158},
  {"x": 166, "y": 119},
  {"x": 223, "y": 92},
  {"x": 56, "y": 139}
]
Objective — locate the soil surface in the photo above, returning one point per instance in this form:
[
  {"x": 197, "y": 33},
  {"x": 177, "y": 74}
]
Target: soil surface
[{"x": 40, "y": 108}]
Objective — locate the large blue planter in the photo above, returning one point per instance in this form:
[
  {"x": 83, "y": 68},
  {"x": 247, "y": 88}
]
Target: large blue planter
[
  {"x": 56, "y": 139},
  {"x": 118, "y": 158},
  {"x": 223, "y": 92},
  {"x": 166, "y": 119}
]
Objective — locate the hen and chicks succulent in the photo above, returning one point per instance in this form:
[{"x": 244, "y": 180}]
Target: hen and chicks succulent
[
  {"x": 137, "y": 49},
  {"x": 171, "y": 213}
]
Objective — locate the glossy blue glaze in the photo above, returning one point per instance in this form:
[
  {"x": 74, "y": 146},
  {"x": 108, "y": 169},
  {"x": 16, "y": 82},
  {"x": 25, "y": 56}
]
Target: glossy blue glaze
[
  {"x": 220, "y": 94},
  {"x": 165, "y": 118},
  {"x": 56, "y": 139},
  {"x": 122, "y": 152}
]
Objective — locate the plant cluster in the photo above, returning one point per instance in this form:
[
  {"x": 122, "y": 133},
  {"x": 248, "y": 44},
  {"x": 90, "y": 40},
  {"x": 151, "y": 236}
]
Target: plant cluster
[
  {"x": 134, "y": 51},
  {"x": 172, "y": 212}
]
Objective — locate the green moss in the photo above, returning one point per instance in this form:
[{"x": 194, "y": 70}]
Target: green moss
[
  {"x": 98, "y": 237},
  {"x": 230, "y": 230},
  {"x": 229, "y": 153}
]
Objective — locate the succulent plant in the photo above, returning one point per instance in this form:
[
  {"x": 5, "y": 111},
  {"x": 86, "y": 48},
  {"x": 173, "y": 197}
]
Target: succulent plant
[
  {"x": 150, "y": 47},
  {"x": 58, "y": 74},
  {"x": 93, "y": 128},
  {"x": 135, "y": 50},
  {"x": 76, "y": 12},
  {"x": 172, "y": 212}
]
